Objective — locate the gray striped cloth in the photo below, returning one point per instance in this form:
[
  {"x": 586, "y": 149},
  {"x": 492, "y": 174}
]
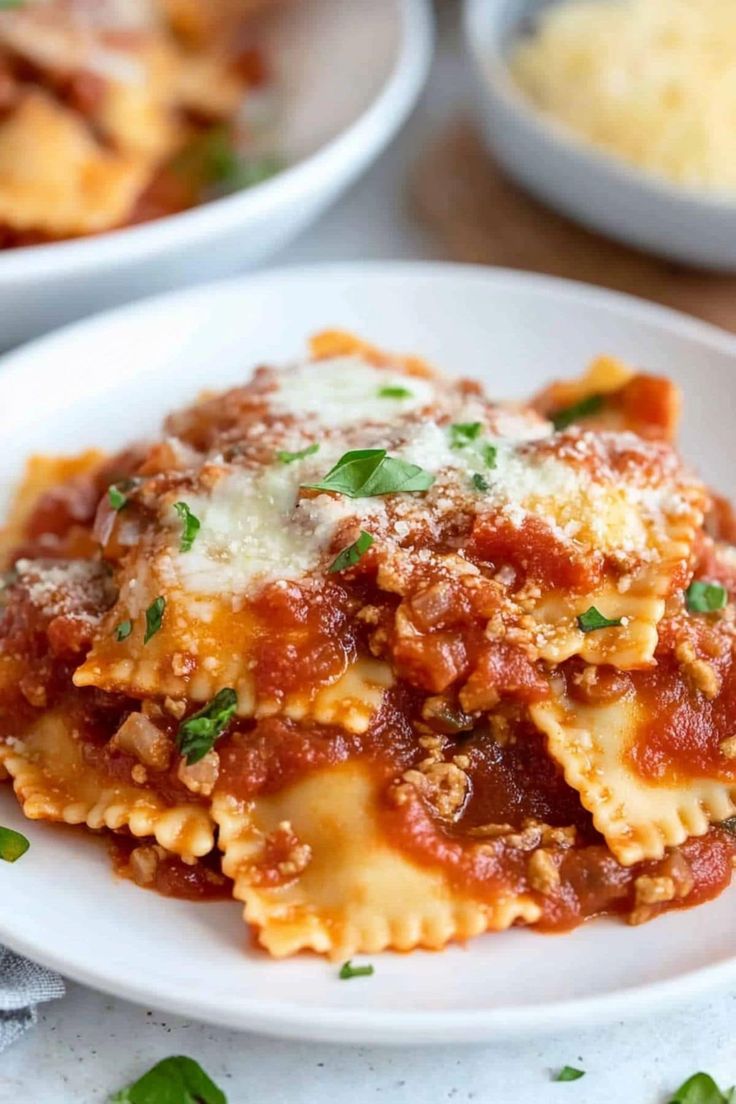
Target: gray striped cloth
[{"x": 23, "y": 986}]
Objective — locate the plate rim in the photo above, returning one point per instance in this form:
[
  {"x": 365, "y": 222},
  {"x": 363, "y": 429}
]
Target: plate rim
[{"x": 345, "y": 1025}]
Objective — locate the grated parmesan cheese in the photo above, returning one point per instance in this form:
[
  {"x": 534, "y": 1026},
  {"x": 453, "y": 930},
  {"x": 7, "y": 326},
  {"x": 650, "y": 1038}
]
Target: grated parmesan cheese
[{"x": 650, "y": 81}]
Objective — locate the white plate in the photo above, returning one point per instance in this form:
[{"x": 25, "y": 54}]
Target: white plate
[
  {"x": 346, "y": 75},
  {"x": 110, "y": 379}
]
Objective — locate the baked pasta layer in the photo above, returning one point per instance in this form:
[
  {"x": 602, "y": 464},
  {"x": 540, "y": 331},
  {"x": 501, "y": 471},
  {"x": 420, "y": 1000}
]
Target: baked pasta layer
[{"x": 394, "y": 663}]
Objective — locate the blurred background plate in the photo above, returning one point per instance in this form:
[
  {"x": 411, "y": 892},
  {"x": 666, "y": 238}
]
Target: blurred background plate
[
  {"x": 346, "y": 75},
  {"x": 63, "y": 906}
]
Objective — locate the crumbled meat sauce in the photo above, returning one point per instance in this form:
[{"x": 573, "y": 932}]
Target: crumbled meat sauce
[{"x": 466, "y": 783}]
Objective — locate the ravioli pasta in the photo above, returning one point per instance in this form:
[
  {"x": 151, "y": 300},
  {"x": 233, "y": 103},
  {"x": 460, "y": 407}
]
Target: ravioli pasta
[{"x": 405, "y": 664}]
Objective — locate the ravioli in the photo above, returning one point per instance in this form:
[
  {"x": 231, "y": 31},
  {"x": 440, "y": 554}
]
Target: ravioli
[
  {"x": 315, "y": 872},
  {"x": 417, "y": 664}
]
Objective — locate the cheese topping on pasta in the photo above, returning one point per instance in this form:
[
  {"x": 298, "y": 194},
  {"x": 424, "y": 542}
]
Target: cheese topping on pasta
[{"x": 407, "y": 648}]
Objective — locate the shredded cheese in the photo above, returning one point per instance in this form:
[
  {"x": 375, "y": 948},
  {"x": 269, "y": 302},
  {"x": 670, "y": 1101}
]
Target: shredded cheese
[{"x": 651, "y": 81}]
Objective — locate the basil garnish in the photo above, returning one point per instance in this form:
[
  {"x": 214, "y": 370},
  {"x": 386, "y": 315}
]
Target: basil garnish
[
  {"x": 197, "y": 734},
  {"x": 702, "y": 597},
  {"x": 365, "y": 473},
  {"x": 350, "y": 555},
  {"x": 154, "y": 617},
  {"x": 285, "y": 457},
  {"x": 12, "y": 845},
  {"x": 561, "y": 419},
  {"x": 593, "y": 619},
  {"x": 191, "y": 525},
  {"x": 463, "y": 432},
  {"x": 394, "y": 393},
  {"x": 177, "y": 1080},
  {"x": 123, "y": 630},
  {"x": 569, "y": 1073},
  {"x": 347, "y": 971},
  {"x": 702, "y": 1089}
]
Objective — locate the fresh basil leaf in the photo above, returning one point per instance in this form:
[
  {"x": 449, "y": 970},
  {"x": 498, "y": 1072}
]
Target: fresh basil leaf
[
  {"x": 350, "y": 555},
  {"x": 702, "y": 597},
  {"x": 463, "y": 432},
  {"x": 569, "y": 1073},
  {"x": 365, "y": 473},
  {"x": 285, "y": 457},
  {"x": 117, "y": 494},
  {"x": 561, "y": 419},
  {"x": 198, "y": 734},
  {"x": 701, "y": 1089},
  {"x": 479, "y": 482},
  {"x": 593, "y": 619},
  {"x": 8, "y": 5},
  {"x": 347, "y": 971},
  {"x": 12, "y": 845},
  {"x": 116, "y": 497},
  {"x": 123, "y": 630},
  {"x": 154, "y": 617},
  {"x": 177, "y": 1080},
  {"x": 394, "y": 393},
  {"x": 191, "y": 525},
  {"x": 489, "y": 454}
]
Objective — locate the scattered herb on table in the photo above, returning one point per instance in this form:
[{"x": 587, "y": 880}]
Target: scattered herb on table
[
  {"x": 176, "y": 1080},
  {"x": 12, "y": 845}
]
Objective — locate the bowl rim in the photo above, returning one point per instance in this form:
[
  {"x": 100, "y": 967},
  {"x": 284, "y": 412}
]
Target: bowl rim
[
  {"x": 493, "y": 74},
  {"x": 365, "y": 134},
  {"x": 289, "y": 1019}
]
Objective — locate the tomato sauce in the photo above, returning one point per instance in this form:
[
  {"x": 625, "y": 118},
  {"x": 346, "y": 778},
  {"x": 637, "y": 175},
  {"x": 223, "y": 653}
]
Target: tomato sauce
[
  {"x": 517, "y": 788},
  {"x": 169, "y": 875}
]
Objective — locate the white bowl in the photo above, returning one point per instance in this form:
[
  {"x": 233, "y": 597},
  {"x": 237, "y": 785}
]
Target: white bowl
[
  {"x": 589, "y": 185},
  {"x": 62, "y": 905},
  {"x": 347, "y": 74}
]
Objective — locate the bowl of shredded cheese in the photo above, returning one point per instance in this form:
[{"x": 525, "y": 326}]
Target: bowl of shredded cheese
[{"x": 619, "y": 113}]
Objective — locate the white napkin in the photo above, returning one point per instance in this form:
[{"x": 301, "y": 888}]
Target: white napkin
[{"x": 23, "y": 985}]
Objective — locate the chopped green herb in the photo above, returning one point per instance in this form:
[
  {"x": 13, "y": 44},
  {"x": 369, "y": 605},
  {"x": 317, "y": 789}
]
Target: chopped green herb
[
  {"x": 347, "y": 971},
  {"x": 593, "y": 619},
  {"x": 285, "y": 457},
  {"x": 394, "y": 393},
  {"x": 197, "y": 734},
  {"x": 191, "y": 525},
  {"x": 479, "y": 482},
  {"x": 489, "y": 454},
  {"x": 561, "y": 419},
  {"x": 117, "y": 492},
  {"x": 116, "y": 497},
  {"x": 569, "y": 1073},
  {"x": 6, "y": 5},
  {"x": 350, "y": 555},
  {"x": 364, "y": 473},
  {"x": 123, "y": 630},
  {"x": 463, "y": 432},
  {"x": 154, "y": 617},
  {"x": 702, "y": 597},
  {"x": 177, "y": 1080},
  {"x": 702, "y": 1089},
  {"x": 12, "y": 845},
  {"x": 214, "y": 160},
  {"x": 728, "y": 825}
]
